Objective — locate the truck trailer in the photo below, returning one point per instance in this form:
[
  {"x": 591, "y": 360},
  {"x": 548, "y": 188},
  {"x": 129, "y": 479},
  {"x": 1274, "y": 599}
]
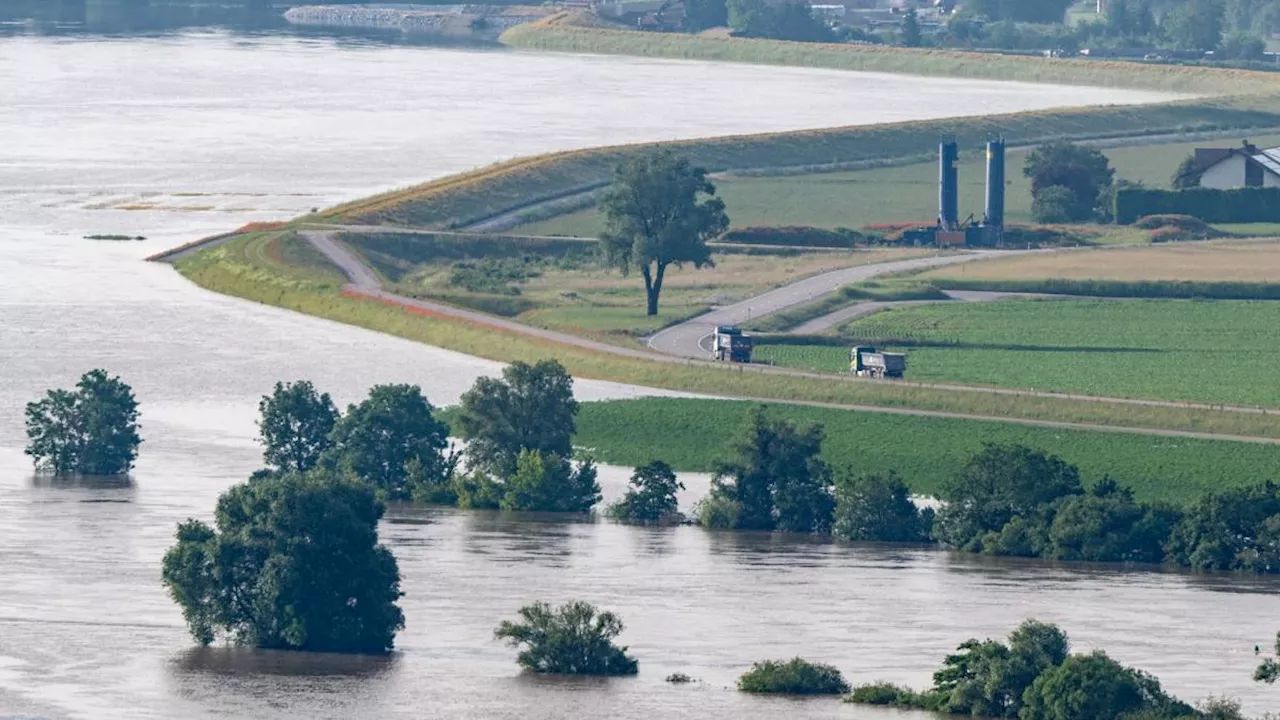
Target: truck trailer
[
  {"x": 731, "y": 344},
  {"x": 866, "y": 361}
]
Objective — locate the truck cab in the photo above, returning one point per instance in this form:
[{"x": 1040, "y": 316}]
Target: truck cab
[{"x": 731, "y": 345}]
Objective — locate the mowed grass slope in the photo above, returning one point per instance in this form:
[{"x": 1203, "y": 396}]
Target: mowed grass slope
[
  {"x": 904, "y": 193},
  {"x": 695, "y": 434},
  {"x": 1206, "y": 351}
]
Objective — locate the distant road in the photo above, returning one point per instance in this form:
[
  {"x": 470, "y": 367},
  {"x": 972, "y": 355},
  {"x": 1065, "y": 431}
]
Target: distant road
[{"x": 688, "y": 338}]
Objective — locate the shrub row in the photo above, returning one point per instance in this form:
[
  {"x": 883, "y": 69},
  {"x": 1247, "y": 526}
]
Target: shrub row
[
  {"x": 796, "y": 236},
  {"x": 1241, "y": 205},
  {"x": 1169, "y": 289}
]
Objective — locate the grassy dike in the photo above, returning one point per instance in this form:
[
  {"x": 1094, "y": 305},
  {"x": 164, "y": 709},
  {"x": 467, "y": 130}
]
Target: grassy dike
[
  {"x": 563, "y": 33},
  {"x": 277, "y": 268},
  {"x": 693, "y": 434}
]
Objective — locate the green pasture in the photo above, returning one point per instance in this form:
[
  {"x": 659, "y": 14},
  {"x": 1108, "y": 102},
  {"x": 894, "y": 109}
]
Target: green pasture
[
  {"x": 694, "y": 434},
  {"x": 1192, "y": 350}
]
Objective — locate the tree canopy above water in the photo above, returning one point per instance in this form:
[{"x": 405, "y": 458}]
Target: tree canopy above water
[
  {"x": 291, "y": 563},
  {"x": 92, "y": 430}
]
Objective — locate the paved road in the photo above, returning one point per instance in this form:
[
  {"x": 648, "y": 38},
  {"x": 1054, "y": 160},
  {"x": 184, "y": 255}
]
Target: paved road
[{"x": 687, "y": 338}]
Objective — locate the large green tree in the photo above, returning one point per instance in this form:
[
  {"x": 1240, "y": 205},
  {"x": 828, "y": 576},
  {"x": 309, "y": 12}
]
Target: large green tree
[
  {"x": 393, "y": 441},
  {"x": 989, "y": 678},
  {"x": 1084, "y": 171},
  {"x": 291, "y": 563},
  {"x": 92, "y": 430},
  {"x": 776, "y": 480},
  {"x": 530, "y": 408},
  {"x": 294, "y": 424},
  {"x": 997, "y": 485},
  {"x": 656, "y": 216},
  {"x": 573, "y": 639},
  {"x": 877, "y": 508}
]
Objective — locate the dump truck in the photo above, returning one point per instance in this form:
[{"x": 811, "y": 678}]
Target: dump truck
[
  {"x": 866, "y": 361},
  {"x": 731, "y": 345}
]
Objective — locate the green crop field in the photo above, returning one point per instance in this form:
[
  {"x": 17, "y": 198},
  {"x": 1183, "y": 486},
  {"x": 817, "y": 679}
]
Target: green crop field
[
  {"x": 905, "y": 193},
  {"x": 694, "y": 434},
  {"x": 1208, "y": 351}
]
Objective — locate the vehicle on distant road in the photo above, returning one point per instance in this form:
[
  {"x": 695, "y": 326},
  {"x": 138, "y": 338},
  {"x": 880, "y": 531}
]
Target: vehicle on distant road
[
  {"x": 731, "y": 344},
  {"x": 866, "y": 361}
]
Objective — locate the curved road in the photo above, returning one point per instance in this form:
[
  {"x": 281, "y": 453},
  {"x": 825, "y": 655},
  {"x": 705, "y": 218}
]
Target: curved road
[
  {"x": 365, "y": 283},
  {"x": 687, "y": 338}
]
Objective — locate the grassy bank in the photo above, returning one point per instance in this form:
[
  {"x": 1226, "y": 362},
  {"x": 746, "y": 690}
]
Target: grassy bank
[
  {"x": 1211, "y": 352},
  {"x": 460, "y": 200},
  {"x": 694, "y": 434},
  {"x": 249, "y": 267},
  {"x": 558, "y": 34}
]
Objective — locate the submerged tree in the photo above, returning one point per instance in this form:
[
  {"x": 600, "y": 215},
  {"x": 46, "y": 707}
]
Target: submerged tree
[
  {"x": 651, "y": 498},
  {"x": 1269, "y": 671},
  {"x": 291, "y": 563},
  {"x": 92, "y": 430},
  {"x": 655, "y": 218},
  {"x": 294, "y": 425},
  {"x": 777, "y": 481},
  {"x": 878, "y": 508},
  {"x": 530, "y": 408},
  {"x": 796, "y": 676},
  {"x": 393, "y": 441},
  {"x": 573, "y": 639}
]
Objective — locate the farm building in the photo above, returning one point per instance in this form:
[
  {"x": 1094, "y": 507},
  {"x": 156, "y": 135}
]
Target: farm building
[{"x": 1244, "y": 166}]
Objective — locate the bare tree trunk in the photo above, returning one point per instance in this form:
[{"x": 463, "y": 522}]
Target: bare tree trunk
[{"x": 650, "y": 290}]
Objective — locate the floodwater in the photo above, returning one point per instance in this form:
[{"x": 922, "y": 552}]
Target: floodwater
[{"x": 176, "y": 136}]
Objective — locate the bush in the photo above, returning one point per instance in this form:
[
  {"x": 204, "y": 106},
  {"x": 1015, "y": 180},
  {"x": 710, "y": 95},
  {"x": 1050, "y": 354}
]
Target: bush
[
  {"x": 883, "y": 693},
  {"x": 1171, "y": 228},
  {"x": 651, "y": 498},
  {"x": 1169, "y": 289},
  {"x": 793, "y": 677},
  {"x": 572, "y": 639},
  {"x": 1241, "y": 205}
]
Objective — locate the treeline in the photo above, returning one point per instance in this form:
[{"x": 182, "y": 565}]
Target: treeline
[
  {"x": 1006, "y": 500},
  {"x": 1034, "y": 676}
]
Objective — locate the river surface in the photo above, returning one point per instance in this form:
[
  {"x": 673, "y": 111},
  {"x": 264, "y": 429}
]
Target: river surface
[{"x": 177, "y": 136}]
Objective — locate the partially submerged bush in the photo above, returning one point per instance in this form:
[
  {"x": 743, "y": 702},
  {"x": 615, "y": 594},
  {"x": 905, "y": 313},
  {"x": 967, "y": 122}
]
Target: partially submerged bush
[
  {"x": 651, "y": 498},
  {"x": 679, "y": 678},
  {"x": 572, "y": 639},
  {"x": 888, "y": 695},
  {"x": 793, "y": 677}
]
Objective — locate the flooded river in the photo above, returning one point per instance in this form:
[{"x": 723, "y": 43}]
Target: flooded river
[{"x": 172, "y": 137}]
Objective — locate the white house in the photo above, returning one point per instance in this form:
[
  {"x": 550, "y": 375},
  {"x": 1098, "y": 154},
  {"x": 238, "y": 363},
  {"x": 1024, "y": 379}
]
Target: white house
[{"x": 1244, "y": 166}]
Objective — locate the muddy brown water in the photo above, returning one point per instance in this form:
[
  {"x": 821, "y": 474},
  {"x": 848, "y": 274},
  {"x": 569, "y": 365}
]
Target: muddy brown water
[{"x": 175, "y": 136}]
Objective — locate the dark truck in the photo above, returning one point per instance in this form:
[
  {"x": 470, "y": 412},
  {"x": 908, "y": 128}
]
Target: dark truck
[
  {"x": 866, "y": 361},
  {"x": 730, "y": 344}
]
